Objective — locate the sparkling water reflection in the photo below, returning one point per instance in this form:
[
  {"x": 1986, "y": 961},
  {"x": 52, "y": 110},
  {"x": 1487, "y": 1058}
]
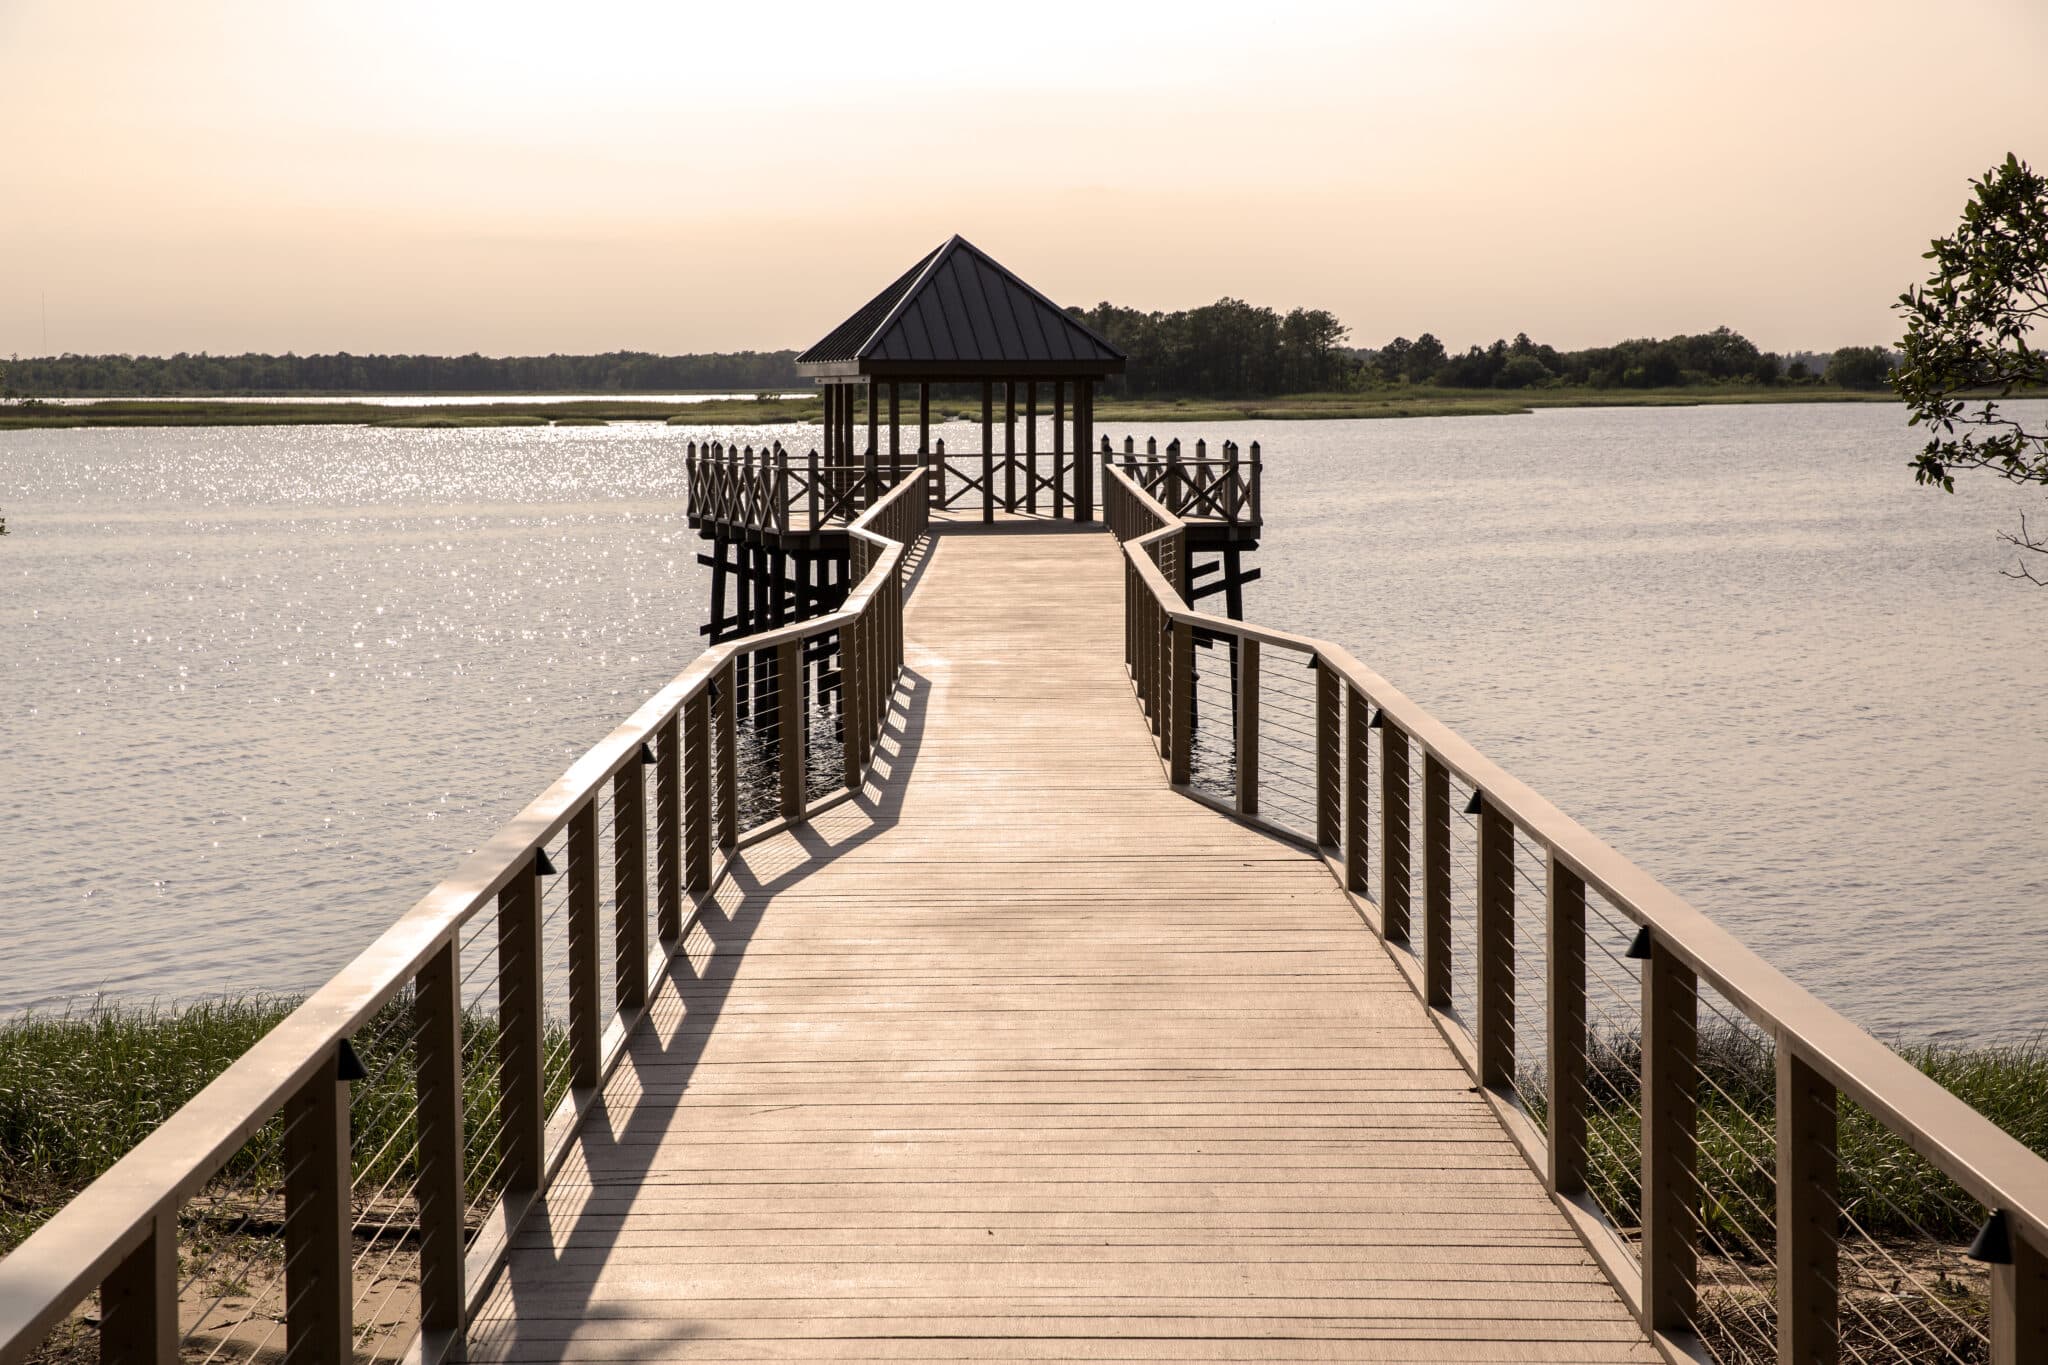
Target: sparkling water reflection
[{"x": 264, "y": 685}]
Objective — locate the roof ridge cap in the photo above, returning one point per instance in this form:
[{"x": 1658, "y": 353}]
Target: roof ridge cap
[
  {"x": 931, "y": 264},
  {"x": 1026, "y": 286}
]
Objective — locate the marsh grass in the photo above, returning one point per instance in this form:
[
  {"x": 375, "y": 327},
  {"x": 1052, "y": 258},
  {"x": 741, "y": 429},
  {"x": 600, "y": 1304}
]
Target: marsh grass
[
  {"x": 79, "y": 1089},
  {"x": 1889, "y": 1188}
]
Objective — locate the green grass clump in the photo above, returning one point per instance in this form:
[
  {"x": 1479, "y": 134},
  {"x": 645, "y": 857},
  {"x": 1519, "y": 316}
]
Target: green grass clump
[
  {"x": 1883, "y": 1183},
  {"x": 78, "y": 1090}
]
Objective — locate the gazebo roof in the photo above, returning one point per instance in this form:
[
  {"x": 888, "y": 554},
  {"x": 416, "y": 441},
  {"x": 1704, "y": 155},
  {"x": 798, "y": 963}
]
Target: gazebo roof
[{"x": 957, "y": 314}]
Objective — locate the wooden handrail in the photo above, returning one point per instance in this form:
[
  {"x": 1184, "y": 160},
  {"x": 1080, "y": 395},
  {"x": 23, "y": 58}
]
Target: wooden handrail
[
  {"x": 131, "y": 1210},
  {"x": 1995, "y": 1168}
]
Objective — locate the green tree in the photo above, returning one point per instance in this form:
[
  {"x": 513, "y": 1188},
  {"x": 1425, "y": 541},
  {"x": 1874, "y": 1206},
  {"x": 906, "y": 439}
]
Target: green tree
[
  {"x": 1860, "y": 367},
  {"x": 1972, "y": 334},
  {"x": 1425, "y": 358},
  {"x": 1521, "y": 372}
]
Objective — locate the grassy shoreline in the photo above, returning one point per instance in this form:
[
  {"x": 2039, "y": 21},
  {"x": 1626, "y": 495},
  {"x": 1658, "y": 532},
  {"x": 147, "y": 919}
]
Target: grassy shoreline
[
  {"x": 1404, "y": 402},
  {"x": 77, "y": 1090}
]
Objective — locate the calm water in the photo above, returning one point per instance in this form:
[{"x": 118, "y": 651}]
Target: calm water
[{"x": 262, "y": 686}]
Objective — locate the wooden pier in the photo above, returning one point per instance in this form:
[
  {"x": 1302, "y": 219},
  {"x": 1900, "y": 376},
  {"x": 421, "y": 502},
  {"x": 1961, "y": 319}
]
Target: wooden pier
[
  {"x": 1020, "y": 1055},
  {"x": 980, "y": 952}
]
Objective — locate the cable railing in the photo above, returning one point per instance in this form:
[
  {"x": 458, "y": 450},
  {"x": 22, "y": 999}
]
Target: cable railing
[
  {"x": 348, "y": 1187},
  {"x": 1759, "y": 1178}
]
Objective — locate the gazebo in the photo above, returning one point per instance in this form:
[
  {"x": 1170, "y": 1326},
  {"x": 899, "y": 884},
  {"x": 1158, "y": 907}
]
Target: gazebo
[{"x": 959, "y": 317}]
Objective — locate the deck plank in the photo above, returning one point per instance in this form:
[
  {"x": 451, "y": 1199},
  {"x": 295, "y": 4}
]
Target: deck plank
[{"x": 1021, "y": 1056}]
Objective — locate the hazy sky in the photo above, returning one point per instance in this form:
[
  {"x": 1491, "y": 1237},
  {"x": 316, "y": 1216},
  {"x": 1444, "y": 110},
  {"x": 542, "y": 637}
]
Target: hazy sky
[{"x": 511, "y": 177}]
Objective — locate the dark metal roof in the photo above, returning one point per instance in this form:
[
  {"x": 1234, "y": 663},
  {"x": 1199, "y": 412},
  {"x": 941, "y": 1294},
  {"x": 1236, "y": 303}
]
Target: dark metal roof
[{"x": 959, "y": 312}]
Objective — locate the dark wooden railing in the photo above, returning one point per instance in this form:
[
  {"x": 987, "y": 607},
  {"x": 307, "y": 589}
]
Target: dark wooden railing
[
  {"x": 488, "y": 1017},
  {"x": 1201, "y": 487},
  {"x": 749, "y": 489},
  {"x": 1604, "y": 1019}
]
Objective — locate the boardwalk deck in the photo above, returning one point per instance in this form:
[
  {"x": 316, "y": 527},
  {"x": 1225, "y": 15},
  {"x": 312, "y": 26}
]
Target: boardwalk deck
[{"x": 1020, "y": 1055}]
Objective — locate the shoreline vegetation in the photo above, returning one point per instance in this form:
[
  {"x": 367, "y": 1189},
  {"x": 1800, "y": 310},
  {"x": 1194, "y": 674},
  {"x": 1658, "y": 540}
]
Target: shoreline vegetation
[
  {"x": 79, "y": 1089},
  {"x": 1411, "y": 401}
]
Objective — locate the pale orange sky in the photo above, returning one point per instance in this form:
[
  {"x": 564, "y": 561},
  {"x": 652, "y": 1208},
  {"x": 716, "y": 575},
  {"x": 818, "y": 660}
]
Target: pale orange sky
[{"x": 511, "y": 177}]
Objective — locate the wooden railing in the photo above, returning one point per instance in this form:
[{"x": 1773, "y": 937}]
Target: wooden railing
[
  {"x": 763, "y": 489},
  {"x": 1606, "y": 1022},
  {"x": 490, "y": 1074},
  {"x": 1223, "y": 488}
]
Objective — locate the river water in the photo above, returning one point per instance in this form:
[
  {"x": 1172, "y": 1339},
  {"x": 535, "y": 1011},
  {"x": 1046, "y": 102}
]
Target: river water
[{"x": 262, "y": 686}]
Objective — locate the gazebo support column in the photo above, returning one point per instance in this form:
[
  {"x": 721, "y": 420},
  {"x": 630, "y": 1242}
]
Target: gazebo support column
[
  {"x": 1009, "y": 445},
  {"x": 988, "y": 451},
  {"x": 924, "y": 440},
  {"x": 1084, "y": 450},
  {"x": 873, "y": 454},
  {"x": 1059, "y": 447},
  {"x": 1031, "y": 447},
  {"x": 895, "y": 433},
  {"x": 848, "y": 457}
]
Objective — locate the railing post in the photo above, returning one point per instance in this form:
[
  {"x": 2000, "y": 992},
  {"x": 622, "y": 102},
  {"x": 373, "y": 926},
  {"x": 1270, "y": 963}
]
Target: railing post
[
  {"x": 852, "y": 697},
  {"x": 1357, "y": 809},
  {"x": 319, "y": 1220},
  {"x": 1496, "y": 956},
  {"x": 1248, "y": 727},
  {"x": 1171, "y": 483},
  {"x": 697, "y": 792},
  {"x": 1255, "y": 484},
  {"x": 668, "y": 836},
  {"x": 790, "y": 725},
  {"x": 1233, "y": 481},
  {"x": 522, "y": 1082},
  {"x": 586, "y": 1016},
  {"x": 1436, "y": 882},
  {"x": 1670, "y": 1141},
  {"x": 1152, "y": 637},
  {"x": 629, "y": 862},
  {"x": 1394, "y": 832},
  {"x": 139, "y": 1299},
  {"x": 2019, "y": 1304},
  {"x": 437, "y": 1081},
  {"x": 781, "y": 518},
  {"x": 1807, "y": 1253},
  {"x": 811, "y": 485},
  {"x": 1106, "y": 457},
  {"x": 1329, "y": 826},
  {"x": 1565, "y": 1027},
  {"x": 939, "y": 473},
  {"x": 726, "y": 745},
  {"x": 1182, "y": 724}
]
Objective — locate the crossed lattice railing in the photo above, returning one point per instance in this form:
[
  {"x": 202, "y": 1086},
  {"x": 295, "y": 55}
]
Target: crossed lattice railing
[
  {"x": 748, "y": 488},
  {"x": 1201, "y": 487}
]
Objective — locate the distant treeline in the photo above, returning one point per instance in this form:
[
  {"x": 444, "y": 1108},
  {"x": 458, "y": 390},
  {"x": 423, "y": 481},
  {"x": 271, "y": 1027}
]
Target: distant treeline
[
  {"x": 1227, "y": 349},
  {"x": 1235, "y": 348},
  {"x": 83, "y": 376}
]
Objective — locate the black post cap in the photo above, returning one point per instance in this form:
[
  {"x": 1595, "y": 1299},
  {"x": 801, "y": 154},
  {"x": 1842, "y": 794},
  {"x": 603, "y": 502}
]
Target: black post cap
[
  {"x": 1639, "y": 948},
  {"x": 1994, "y": 1241},
  {"x": 543, "y": 866},
  {"x": 347, "y": 1065}
]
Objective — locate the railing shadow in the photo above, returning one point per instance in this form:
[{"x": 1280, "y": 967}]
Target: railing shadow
[{"x": 619, "y": 1147}]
